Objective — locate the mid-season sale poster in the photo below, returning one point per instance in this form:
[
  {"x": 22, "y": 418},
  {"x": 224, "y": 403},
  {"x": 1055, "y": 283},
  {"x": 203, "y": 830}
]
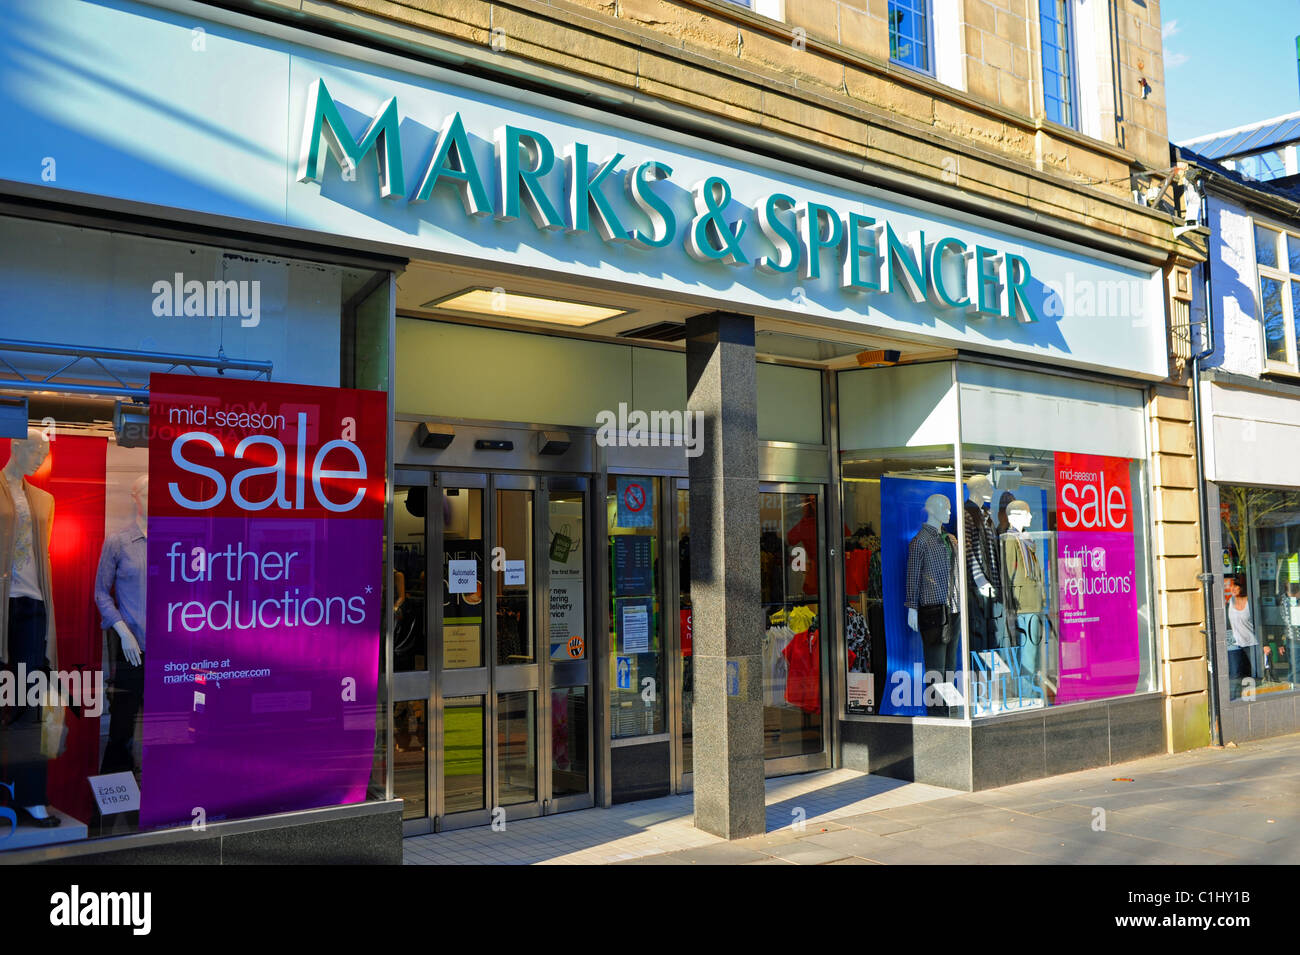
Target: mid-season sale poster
[
  {"x": 1097, "y": 619},
  {"x": 265, "y": 547}
]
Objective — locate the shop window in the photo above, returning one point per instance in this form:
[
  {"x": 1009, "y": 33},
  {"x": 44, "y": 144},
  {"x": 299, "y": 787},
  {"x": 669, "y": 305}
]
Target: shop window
[
  {"x": 1057, "y": 35},
  {"x": 909, "y": 34},
  {"x": 242, "y": 675},
  {"x": 1277, "y": 255},
  {"x": 991, "y": 577},
  {"x": 1261, "y": 593},
  {"x": 902, "y": 622}
]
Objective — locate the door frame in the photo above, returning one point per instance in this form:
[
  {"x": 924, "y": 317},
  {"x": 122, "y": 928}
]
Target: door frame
[
  {"x": 783, "y": 765},
  {"x": 433, "y": 686}
]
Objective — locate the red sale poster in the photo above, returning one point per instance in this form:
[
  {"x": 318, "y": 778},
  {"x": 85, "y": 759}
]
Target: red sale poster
[{"x": 1096, "y": 578}]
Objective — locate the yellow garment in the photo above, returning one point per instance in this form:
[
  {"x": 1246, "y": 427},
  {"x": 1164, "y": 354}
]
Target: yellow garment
[{"x": 801, "y": 619}]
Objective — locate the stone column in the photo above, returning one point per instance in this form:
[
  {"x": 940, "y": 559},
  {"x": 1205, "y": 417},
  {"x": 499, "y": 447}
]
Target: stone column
[{"x": 721, "y": 385}]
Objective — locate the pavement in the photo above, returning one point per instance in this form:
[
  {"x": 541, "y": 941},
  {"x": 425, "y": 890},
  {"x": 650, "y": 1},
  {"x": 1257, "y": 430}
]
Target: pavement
[{"x": 1236, "y": 805}]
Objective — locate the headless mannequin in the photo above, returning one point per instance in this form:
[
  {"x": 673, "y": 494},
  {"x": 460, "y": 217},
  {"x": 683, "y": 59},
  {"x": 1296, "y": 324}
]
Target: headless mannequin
[{"x": 25, "y": 459}]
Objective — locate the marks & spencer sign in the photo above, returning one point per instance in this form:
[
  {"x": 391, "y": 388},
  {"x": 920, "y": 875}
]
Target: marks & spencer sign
[{"x": 620, "y": 200}]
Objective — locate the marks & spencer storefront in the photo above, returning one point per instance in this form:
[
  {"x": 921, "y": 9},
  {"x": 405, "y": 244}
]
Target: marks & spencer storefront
[{"x": 682, "y": 445}]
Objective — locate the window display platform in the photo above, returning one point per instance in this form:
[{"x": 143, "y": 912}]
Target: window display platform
[
  {"x": 1009, "y": 748},
  {"x": 26, "y": 837}
]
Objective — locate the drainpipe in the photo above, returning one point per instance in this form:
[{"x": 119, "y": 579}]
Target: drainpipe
[{"x": 1207, "y": 567}]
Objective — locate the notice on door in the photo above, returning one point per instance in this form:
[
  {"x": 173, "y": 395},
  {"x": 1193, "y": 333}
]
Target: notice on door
[
  {"x": 461, "y": 645},
  {"x": 633, "y": 565},
  {"x": 634, "y": 626},
  {"x": 462, "y": 576},
  {"x": 515, "y": 573}
]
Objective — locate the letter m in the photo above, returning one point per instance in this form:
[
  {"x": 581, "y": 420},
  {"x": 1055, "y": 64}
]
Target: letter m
[{"x": 324, "y": 123}]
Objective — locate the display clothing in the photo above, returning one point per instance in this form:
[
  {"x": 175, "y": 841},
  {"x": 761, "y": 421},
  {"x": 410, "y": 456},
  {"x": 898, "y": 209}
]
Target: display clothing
[
  {"x": 801, "y": 619},
  {"x": 120, "y": 581},
  {"x": 40, "y": 508},
  {"x": 931, "y": 565},
  {"x": 24, "y": 578},
  {"x": 126, "y": 695},
  {"x": 775, "y": 668},
  {"x": 983, "y": 622},
  {"x": 22, "y": 763},
  {"x": 983, "y": 563},
  {"x": 803, "y": 684},
  {"x": 1024, "y": 573},
  {"x": 1035, "y": 630},
  {"x": 858, "y": 640},
  {"x": 856, "y": 571},
  {"x": 941, "y": 658}
]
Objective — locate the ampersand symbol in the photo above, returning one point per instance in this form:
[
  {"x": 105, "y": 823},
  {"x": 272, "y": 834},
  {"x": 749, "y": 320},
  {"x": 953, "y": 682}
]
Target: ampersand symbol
[{"x": 710, "y": 238}]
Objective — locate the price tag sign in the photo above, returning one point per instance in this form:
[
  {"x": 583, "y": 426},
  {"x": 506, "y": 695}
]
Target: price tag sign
[{"x": 115, "y": 792}]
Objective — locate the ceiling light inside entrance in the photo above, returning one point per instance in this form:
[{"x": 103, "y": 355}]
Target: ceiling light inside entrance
[{"x": 533, "y": 308}]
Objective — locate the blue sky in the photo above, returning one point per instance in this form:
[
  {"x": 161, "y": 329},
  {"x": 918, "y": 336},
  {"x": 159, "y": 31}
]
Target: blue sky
[{"x": 1228, "y": 63}]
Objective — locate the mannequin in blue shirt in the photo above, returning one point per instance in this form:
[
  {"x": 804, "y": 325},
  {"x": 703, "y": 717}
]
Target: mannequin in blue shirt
[{"x": 120, "y": 596}]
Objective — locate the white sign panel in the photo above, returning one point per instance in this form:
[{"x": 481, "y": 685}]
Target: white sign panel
[
  {"x": 115, "y": 792},
  {"x": 462, "y": 576}
]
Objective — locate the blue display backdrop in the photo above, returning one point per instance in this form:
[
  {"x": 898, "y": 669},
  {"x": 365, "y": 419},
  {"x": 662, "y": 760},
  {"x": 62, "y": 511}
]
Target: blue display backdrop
[{"x": 902, "y": 508}]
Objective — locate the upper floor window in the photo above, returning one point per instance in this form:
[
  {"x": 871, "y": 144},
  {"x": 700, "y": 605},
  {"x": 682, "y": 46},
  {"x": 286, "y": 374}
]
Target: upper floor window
[
  {"x": 1057, "y": 30},
  {"x": 768, "y": 8},
  {"x": 1277, "y": 253},
  {"x": 909, "y": 34}
]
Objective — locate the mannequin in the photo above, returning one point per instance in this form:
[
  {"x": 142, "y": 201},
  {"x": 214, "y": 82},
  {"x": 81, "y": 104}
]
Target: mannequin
[
  {"x": 931, "y": 589},
  {"x": 1026, "y": 588},
  {"x": 119, "y": 595},
  {"x": 27, "y": 633},
  {"x": 983, "y": 570}
]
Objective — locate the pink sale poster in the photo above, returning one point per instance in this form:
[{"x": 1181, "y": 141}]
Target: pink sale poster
[{"x": 1097, "y": 619}]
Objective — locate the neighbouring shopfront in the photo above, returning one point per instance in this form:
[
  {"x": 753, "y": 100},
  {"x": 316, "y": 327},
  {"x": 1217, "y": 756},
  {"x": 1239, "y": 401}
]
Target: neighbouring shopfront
[
  {"x": 1255, "y": 538},
  {"x": 936, "y": 427},
  {"x": 1250, "y": 401}
]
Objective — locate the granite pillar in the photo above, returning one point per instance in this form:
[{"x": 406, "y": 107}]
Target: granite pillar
[{"x": 722, "y": 386}]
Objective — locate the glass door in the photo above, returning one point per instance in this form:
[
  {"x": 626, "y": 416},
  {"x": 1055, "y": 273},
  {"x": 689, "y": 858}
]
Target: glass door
[
  {"x": 509, "y": 644},
  {"x": 568, "y": 671}
]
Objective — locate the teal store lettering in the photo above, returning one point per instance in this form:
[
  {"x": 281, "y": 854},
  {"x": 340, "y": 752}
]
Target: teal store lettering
[{"x": 806, "y": 240}]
